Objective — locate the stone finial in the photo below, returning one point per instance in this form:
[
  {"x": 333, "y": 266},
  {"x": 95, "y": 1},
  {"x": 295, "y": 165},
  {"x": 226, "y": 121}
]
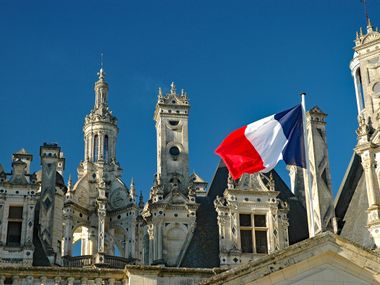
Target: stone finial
[
  {"x": 369, "y": 26},
  {"x": 159, "y": 92},
  {"x": 102, "y": 74},
  {"x": 69, "y": 184},
  {"x": 231, "y": 184},
  {"x": 271, "y": 182},
  {"x": 172, "y": 89},
  {"x": 132, "y": 188}
]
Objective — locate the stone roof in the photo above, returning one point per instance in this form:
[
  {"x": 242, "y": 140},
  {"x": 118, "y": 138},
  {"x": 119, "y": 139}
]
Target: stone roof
[
  {"x": 301, "y": 257},
  {"x": 351, "y": 205},
  {"x": 59, "y": 181},
  {"x": 22, "y": 151}
]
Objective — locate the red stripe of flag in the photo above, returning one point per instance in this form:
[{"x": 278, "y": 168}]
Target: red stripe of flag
[{"x": 239, "y": 154}]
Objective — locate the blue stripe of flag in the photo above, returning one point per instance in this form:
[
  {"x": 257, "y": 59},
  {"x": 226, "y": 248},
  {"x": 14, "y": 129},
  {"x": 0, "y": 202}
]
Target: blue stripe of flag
[{"x": 292, "y": 126}]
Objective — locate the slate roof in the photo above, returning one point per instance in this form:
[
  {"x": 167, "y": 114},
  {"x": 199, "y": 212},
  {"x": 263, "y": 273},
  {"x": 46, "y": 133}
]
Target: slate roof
[
  {"x": 203, "y": 250},
  {"x": 351, "y": 205}
]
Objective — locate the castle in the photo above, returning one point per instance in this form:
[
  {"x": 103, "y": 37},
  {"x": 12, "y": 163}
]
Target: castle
[{"x": 254, "y": 230}]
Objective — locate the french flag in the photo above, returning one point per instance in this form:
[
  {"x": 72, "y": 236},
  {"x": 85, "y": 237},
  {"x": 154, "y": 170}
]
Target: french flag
[{"x": 259, "y": 146}]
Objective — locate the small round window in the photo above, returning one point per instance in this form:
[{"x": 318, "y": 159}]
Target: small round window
[{"x": 174, "y": 151}]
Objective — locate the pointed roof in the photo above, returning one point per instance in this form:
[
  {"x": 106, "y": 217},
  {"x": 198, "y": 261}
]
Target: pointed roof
[
  {"x": 196, "y": 178},
  {"x": 22, "y": 151}
]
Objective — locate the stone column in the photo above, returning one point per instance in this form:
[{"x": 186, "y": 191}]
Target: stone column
[
  {"x": 369, "y": 165},
  {"x": 101, "y": 146},
  {"x": 15, "y": 280},
  {"x": 151, "y": 243},
  {"x": 159, "y": 240},
  {"x": 43, "y": 280},
  {"x": 29, "y": 280},
  {"x": 125, "y": 242},
  {"x": 68, "y": 231},
  {"x": 111, "y": 281},
  {"x": 2, "y": 279},
  {"x": 57, "y": 280},
  {"x": 83, "y": 281},
  {"x": 98, "y": 281},
  {"x": 101, "y": 225},
  {"x": 368, "y": 162},
  {"x": 91, "y": 147},
  {"x": 2, "y": 224},
  {"x": 70, "y": 281},
  {"x": 30, "y": 221}
]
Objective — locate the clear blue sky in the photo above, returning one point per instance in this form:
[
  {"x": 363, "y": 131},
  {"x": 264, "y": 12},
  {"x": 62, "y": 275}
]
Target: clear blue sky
[{"x": 238, "y": 61}]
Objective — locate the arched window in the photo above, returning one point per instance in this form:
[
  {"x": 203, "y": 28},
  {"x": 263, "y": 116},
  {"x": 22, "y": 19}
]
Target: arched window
[
  {"x": 105, "y": 149},
  {"x": 96, "y": 147},
  {"x": 360, "y": 95}
]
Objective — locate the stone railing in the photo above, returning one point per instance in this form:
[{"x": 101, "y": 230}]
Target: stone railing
[
  {"x": 109, "y": 261},
  {"x": 117, "y": 261},
  {"x": 77, "y": 261}
]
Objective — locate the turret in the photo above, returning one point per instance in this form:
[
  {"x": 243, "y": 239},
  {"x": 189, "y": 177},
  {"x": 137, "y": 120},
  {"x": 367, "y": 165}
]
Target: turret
[
  {"x": 171, "y": 117},
  {"x": 365, "y": 69}
]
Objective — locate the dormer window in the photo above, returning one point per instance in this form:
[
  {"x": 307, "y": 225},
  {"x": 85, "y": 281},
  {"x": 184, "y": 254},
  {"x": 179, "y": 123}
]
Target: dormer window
[{"x": 253, "y": 233}]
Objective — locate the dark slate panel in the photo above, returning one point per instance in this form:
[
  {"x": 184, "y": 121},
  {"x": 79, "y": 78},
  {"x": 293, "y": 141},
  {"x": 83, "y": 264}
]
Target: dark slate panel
[
  {"x": 203, "y": 250},
  {"x": 346, "y": 190},
  {"x": 39, "y": 255},
  {"x": 354, "y": 222}
]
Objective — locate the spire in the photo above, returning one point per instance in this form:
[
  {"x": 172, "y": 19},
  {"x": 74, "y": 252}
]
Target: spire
[
  {"x": 132, "y": 189},
  {"x": 141, "y": 200},
  {"x": 101, "y": 90}
]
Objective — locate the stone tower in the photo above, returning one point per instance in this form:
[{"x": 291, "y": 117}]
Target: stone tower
[
  {"x": 323, "y": 206},
  {"x": 365, "y": 69},
  {"x": 100, "y": 211},
  {"x": 171, "y": 210},
  {"x": 322, "y": 199},
  {"x": 171, "y": 117},
  {"x": 51, "y": 203}
]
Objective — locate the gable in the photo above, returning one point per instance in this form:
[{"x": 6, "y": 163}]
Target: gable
[{"x": 329, "y": 268}]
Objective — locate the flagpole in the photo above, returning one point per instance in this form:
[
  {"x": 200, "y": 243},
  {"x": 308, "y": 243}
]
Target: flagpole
[{"x": 308, "y": 174}]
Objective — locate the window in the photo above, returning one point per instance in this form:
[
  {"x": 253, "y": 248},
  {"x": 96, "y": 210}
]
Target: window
[
  {"x": 14, "y": 226},
  {"x": 253, "y": 233},
  {"x": 96, "y": 146},
  {"x": 105, "y": 148},
  {"x": 174, "y": 151}
]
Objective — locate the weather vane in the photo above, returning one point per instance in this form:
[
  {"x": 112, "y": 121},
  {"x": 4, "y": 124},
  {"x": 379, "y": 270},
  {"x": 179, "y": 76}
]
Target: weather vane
[{"x": 101, "y": 58}]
